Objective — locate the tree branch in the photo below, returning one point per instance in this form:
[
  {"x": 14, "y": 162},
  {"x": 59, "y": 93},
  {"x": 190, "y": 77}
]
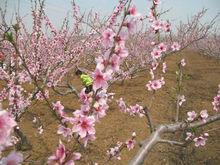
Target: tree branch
[
  {"x": 171, "y": 142},
  {"x": 149, "y": 119},
  {"x": 154, "y": 138}
]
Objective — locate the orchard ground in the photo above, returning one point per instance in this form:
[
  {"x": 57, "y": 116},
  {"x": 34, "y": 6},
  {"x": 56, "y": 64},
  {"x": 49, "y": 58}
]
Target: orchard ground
[{"x": 202, "y": 76}]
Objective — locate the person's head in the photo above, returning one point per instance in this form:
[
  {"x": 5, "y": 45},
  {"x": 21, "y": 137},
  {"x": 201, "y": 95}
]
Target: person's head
[{"x": 78, "y": 72}]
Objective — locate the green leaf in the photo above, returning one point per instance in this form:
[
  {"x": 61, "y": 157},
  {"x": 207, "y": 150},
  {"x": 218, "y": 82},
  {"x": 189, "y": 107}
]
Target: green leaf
[{"x": 9, "y": 36}]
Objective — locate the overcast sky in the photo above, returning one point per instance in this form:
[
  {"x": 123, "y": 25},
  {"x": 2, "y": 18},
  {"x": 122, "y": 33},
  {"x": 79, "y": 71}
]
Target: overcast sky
[{"x": 57, "y": 9}]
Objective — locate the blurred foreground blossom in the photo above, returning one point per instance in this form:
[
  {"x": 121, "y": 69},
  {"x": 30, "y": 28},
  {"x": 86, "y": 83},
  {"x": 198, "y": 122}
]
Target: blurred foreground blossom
[
  {"x": 7, "y": 123},
  {"x": 63, "y": 156},
  {"x": 14, "y": 158}
]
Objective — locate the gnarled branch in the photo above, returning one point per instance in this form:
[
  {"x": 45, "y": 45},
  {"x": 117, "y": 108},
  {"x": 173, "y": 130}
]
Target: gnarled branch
[{"x": 154, "y": 138}]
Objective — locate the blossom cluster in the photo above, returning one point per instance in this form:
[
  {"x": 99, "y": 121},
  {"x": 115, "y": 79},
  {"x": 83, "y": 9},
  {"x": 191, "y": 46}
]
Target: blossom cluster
[
  {"x": 155, "y": 84},
  {"x": 199, "y": 141},
  {"x": 114, "y": 152},
  {"x": 181, "y": 99},
  {"x": 7, "y": 124},
  {"x": 62, "y": 156},
  {"x": 132, "y": 110},
  {"x": 83, "y": 119},
  {"x": 216, "y": 101},
  {"x": 192, "y": 116}
]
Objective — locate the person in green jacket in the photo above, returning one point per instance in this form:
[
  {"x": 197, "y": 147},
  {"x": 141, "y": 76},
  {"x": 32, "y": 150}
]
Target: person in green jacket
[{"x": 86, "y": 80}]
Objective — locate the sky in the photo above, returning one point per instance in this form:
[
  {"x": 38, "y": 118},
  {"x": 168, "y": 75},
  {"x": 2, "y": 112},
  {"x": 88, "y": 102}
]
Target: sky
[{"x": 58, "y": 9}]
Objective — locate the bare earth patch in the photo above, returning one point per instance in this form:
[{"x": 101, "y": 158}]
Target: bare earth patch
[{"x": 203, "y": 77}]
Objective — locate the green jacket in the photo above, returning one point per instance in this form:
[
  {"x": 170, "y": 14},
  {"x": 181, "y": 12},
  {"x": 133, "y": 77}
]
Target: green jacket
[{"x": 86, "y": 80}]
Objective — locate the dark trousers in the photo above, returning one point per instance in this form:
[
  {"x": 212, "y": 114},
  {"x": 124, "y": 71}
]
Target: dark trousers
[{"x": 88, "y": 89}]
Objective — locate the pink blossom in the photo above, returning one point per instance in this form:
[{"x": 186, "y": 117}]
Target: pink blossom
[
  {"x": 59, "y": 156},
  {"x": 58, "y": 107},
  {"x": 65, "y": 131},
  {"x": 133, "y": 11},
  {"x": 108, "y": 37},
  {"x": 204, "y": 115},
  {"x": 102, "y": 97},
  {"x": 120, "y": 39},
  {"x": 136, "y": 110},
  {"x": 84, "y": 111},
  {"x": 155, "y": 84},
  {"x": 130, "y": 144},
  {"x": 100, "y": 79},
  {"x": 156, "y": 25},
  {"x": 191, "y": 115},
  {"x": 166, "y": 26},
  {"x": 132, "y": 110},
  {"x": 216, "y": 103},
  {"x": 40, "y": 129},
  {"x": 76, "y": 156},
  {"x": 182, "y": 62},
  {"x": 156, "y": 53},
  {"x": 162, "y": 47},
  {"x": 84, "y": 126},
  {"x": 24, "y": 77},
  {"x": 71, "y": 158},
  {"x": 164, "y": 67},
  {"x": 154, "y": 65},
  {"x": 121, "y": 51},
  {"x": 3, "y": 95},
  {"x": 114, "y": 62},
  {"x": 79, "y": 113},
  {"x": 100, "y": 63},
  {"x": 63, "y": 156},
  {"x": 175, "y": 46},
  {"x": 7, "y": 123},
  {"x": 181, "y": 100},
  {"x": 14, "y": 158},
  {"x": 85, "y": 98},
  {"x": 201, "y": 140},
  {"x": 189, "y": 136},
  {"x": 131, "y": 25},
  {"x": 153, "y": 43},
  {"x": 3, "y": 74},
  {"x": 122, "y": 105},
  {"x": 156, "y": 2},
  {"x": 88, "y": 137},
  {"x": 99, "y": 110},
  {"x": 39, "y": 95}
]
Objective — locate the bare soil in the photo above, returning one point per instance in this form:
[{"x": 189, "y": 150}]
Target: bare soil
[{"x": 202, "y": 76}]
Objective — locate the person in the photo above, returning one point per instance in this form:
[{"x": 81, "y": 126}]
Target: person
[{"x": 86, "y": 80}]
